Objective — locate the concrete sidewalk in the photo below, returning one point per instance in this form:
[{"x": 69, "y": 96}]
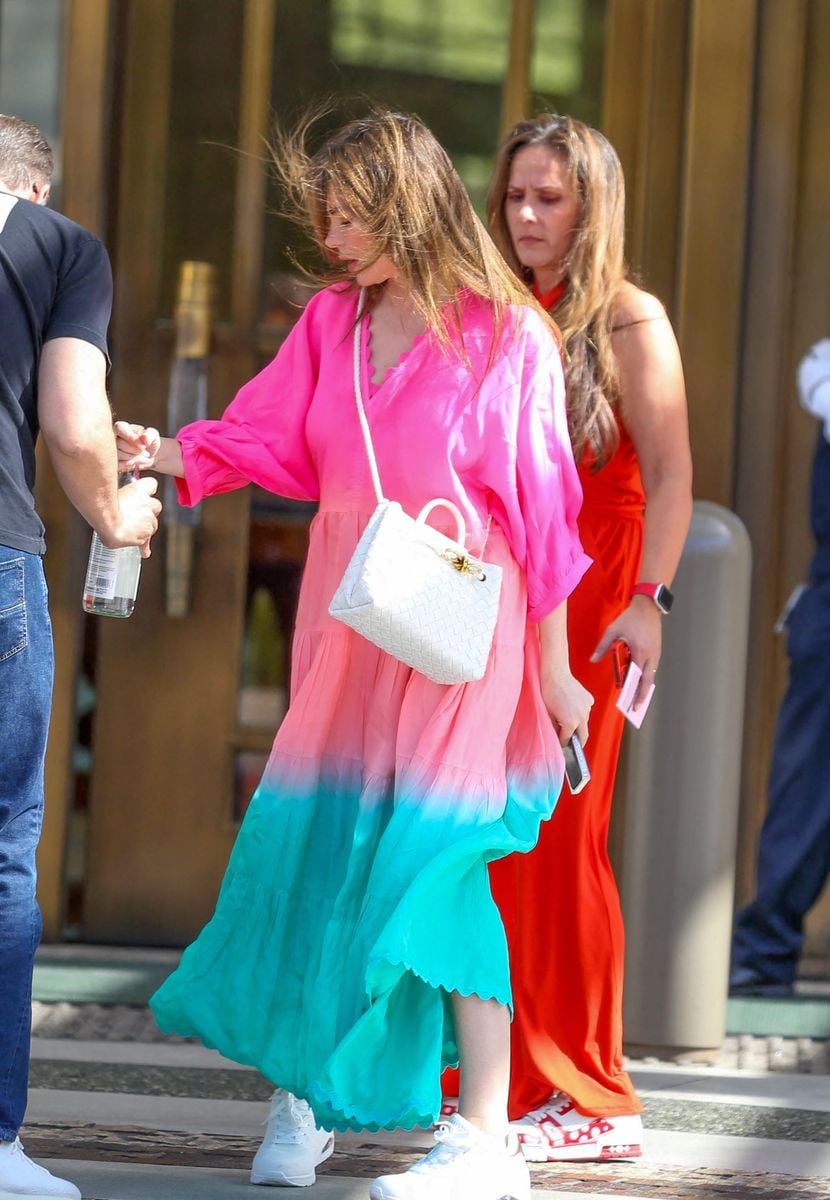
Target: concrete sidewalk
[
  {"x": 132, "y": 1115},
  {"x": 173, "y": 1121}
]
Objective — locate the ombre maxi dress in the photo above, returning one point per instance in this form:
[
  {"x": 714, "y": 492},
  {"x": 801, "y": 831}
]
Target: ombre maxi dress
[{"x": 357, "y": 898}]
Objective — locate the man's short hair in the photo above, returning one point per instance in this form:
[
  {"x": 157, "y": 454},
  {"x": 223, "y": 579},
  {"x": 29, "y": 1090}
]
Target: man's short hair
[{"x": 25, "y": 155}]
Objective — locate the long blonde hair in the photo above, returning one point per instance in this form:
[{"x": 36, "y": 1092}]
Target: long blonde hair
[
  {"x": 394, "y": 179},
  {"x": 595, "y": 268}
]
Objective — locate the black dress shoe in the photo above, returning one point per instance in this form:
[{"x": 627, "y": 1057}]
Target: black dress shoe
[{"x": 756, "y": 985}]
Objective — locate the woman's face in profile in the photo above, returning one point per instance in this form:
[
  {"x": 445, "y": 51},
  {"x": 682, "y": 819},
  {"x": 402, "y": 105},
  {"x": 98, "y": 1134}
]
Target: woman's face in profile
[
  {"x": 352, "y": 244},
  {"x": 542, "y": 211}
]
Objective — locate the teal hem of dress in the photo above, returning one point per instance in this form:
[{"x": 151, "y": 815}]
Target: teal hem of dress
[
  {"x": 354, "y": 1120},
  {"x": 176, "y": 1004}
]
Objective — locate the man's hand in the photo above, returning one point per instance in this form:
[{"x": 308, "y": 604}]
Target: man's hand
[{"x": 138, "y": 516}]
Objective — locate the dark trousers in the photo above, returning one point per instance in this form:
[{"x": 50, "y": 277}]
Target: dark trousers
[
  {"x": 794, "y": 851},
  {"x": 25, "y": 696}
]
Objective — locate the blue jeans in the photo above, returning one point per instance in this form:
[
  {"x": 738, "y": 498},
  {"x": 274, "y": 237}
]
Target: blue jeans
[
  {"x": 26, "y": 671},
  {"x": 794, "y": 851}
]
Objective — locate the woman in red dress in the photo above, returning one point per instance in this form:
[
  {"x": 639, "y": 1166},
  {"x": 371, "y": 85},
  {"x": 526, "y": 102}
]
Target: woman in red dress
[{"x": 557, "y": 212}]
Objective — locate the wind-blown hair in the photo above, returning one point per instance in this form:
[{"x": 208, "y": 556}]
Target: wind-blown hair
[
  {"x": 391, "y": 176},
  {"x": 25, "y": 155},
  {"x": 595, "y": 267}
]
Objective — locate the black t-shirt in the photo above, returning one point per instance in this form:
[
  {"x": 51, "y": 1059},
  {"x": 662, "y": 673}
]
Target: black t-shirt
[{"x": 55, "y": 281}]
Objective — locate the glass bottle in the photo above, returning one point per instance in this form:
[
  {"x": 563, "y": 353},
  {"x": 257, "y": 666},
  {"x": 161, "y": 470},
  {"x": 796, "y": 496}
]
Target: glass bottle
[{"x": 111, "y": 583}]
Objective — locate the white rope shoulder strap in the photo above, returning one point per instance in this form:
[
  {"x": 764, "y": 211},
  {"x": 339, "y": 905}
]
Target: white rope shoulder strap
[{"x": 358, "y": 395}]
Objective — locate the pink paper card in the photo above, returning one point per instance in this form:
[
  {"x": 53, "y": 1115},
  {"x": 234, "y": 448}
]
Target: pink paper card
[{"x": 627, "y": 693}]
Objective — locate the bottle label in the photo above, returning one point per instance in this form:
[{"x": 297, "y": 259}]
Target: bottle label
[{"x": 101, "y": 580}]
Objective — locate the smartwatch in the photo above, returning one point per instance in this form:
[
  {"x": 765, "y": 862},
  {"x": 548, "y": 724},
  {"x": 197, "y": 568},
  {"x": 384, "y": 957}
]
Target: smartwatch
[{"x": 658, "y": 592}]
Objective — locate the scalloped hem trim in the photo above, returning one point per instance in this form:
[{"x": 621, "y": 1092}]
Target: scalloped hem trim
[
  {"x": 335, "y": 1112},
  {"x": 354, "y": 1120},
  {"x": 463, "y": 990}
]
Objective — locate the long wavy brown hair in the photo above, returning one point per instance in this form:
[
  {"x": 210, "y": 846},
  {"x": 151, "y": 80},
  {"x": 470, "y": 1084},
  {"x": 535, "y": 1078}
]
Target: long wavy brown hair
[
  {"x": 393, "y": 178},
  {"x": 595, "y": 267}
]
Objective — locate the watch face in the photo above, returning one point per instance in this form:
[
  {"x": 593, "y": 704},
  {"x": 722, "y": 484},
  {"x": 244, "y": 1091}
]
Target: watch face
[{"x": 663, "y": 598}]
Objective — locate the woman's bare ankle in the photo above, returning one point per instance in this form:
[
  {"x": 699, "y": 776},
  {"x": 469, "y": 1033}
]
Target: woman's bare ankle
[{"x": 492, "y": 1124}]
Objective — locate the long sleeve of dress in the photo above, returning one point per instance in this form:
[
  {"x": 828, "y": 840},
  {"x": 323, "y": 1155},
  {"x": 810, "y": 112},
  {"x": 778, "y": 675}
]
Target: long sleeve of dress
[
  {"x": 261, "y": 437},
  {"x": 543, "y": 497}
]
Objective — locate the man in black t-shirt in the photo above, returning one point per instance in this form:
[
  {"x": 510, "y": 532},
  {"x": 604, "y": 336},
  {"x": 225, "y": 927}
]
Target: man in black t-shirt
[{"x": 55, "y": 298}]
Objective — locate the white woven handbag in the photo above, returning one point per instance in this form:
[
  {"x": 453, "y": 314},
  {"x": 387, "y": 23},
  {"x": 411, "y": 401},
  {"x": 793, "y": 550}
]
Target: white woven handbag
[{"x": 413, "y": 592}]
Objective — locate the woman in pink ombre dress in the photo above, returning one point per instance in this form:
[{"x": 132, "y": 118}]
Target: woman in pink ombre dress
[{"x": 355, "y": 949}]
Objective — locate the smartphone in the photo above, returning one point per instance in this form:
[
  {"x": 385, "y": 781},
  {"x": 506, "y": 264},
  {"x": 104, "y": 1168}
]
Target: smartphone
[
  {"x": 576, "y": 765},
  {"x": 620, "y": 658},
  {"x": 628, "y": 691}
]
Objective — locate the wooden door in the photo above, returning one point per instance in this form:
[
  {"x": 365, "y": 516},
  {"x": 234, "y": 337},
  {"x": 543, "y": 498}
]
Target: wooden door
[{"x": 194, "y": 109}]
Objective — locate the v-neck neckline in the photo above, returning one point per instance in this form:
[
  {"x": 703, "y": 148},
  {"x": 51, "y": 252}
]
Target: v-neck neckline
[{"x": 366, "y": 365}]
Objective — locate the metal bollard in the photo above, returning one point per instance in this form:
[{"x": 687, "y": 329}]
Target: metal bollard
[{"x": 682, "y": 797}]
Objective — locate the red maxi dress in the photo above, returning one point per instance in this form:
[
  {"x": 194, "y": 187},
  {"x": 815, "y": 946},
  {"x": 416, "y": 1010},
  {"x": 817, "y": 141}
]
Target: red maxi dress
[{"x": 559, "y": 903}]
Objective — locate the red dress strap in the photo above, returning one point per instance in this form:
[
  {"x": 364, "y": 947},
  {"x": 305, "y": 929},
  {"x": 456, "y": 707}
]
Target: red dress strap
[{"x": 550, "y": 299}]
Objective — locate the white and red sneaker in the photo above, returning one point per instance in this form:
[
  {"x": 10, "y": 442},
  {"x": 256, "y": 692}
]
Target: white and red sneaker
[{"x": 559, "y": 1132}]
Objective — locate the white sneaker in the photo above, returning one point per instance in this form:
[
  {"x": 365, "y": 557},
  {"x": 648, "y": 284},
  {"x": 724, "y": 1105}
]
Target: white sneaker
[
  {"x": 465, "y": 1165},
  {"x": 293, "y": 1146},
  {"x": 19, "y": 1176},
  {"x": 559, "y": 1132}
]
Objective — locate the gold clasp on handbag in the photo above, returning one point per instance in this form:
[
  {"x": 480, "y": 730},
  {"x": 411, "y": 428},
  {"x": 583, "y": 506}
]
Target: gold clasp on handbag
[{"x": 463, "y": 563}]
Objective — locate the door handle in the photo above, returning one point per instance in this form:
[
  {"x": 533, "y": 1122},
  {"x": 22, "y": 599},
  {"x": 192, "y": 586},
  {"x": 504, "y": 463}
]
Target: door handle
[{"x": 187, "y": 401}]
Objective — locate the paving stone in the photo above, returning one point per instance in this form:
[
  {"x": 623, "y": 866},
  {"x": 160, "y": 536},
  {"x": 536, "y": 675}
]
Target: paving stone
[
  {"x": 205, "y": 1083},
  {"x": 783, "y": 1054},
  {"x": 813, "y": 1057},
  {"x": 98, "y": 1022}
]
